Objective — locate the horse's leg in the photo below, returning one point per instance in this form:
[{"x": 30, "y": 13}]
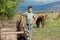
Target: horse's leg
[
  {"x": 37, "y": 24},
  {"x": 42, "y": 24}
]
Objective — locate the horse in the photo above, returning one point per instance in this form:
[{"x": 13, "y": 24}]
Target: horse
[
  {"x": 20, "y": 28},
  {"x": 39, "y": 20}
]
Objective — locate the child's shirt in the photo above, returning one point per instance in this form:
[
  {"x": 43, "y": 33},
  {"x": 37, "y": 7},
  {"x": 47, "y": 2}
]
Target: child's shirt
[{"x": 29, "y": 17}]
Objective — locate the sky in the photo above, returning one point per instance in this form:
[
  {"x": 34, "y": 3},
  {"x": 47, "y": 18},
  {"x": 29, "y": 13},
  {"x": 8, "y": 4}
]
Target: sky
[{"x": 44, "y": 0}]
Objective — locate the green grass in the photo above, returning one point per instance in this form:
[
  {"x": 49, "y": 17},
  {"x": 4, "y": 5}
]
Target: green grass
[{"x": 51, "y": 31}]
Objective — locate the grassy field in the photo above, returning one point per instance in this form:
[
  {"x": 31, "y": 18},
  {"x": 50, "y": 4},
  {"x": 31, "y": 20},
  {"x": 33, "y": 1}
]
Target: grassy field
[{"x": 51, "y": 31}]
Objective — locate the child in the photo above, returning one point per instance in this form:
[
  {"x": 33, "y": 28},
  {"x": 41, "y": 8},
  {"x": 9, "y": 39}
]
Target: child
[{"x": 29, "y": 20}]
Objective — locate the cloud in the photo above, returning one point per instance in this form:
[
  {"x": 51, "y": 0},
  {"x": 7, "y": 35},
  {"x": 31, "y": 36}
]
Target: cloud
[
  {"x": 45, "y": 0},
  {"x": 41, "y": 0}
]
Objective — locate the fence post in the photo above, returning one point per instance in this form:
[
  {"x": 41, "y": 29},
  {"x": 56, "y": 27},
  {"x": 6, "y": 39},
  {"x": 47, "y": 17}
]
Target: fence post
[{"x": 0, "y": 32}]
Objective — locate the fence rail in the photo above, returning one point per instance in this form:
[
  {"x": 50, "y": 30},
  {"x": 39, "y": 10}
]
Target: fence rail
[{"x": 9, "y": 33}]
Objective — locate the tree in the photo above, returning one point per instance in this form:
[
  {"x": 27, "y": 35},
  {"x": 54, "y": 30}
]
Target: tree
[{"x": 7, "y": 8}]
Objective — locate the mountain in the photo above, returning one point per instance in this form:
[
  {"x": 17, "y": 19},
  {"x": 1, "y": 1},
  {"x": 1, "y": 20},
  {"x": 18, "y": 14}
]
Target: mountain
[
  {"x": 41, "y": 7},
  {"x": 54, "y": 7}
]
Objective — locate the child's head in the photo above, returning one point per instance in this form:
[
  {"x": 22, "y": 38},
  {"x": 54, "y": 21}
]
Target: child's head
[{"x": 30, "y": 9}]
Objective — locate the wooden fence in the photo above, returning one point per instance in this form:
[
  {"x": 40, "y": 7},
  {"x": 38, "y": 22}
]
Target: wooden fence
[{"x": 8, "y": 31}]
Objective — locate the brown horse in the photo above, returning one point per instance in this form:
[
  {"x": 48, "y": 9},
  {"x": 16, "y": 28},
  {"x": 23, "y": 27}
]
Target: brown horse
[
  {"x": 39, "y": 20},
  {"x": 20, "y": 28}
]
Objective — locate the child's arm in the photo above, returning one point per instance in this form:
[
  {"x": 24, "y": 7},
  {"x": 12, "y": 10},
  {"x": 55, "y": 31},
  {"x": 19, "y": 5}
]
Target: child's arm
[
  {"x": 34, "y": 16},
  {"x": 24, "y": 14}
]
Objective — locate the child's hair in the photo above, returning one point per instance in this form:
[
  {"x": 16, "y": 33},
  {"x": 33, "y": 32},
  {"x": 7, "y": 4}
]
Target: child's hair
[{"x": 29, "y": 7}]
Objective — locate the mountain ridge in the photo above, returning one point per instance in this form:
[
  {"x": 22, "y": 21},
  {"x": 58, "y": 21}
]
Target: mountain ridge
[{"x": 55, "y": 6}]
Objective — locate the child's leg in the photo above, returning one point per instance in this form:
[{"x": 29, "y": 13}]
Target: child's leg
[{"x": 31, "y": 26}]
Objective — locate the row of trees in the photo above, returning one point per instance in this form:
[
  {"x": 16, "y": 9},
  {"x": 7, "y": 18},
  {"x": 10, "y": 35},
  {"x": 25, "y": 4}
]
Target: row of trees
[{"x": 7, "y": 8}]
